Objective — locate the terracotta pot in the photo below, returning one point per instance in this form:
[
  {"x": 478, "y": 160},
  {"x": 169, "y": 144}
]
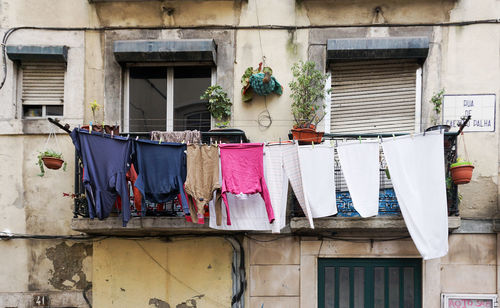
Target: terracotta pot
[
  {"x": 52, "y": 162},
  {"x": 307, "y": 135},
  {"x": 107, "y": 128},
  {"x": 461, "y": 174}
]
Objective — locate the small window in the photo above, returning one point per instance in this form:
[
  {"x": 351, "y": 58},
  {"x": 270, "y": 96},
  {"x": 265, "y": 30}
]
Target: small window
[
  {"x": 375, "y": 96},
  {"x": 42, "y": 90},
  {"x": 166, "y": 98}
]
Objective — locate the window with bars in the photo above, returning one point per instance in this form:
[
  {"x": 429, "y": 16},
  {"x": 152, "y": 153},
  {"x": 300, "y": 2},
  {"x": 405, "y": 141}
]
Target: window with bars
[
  {"x": 369, "y": 283},
  {"x": 375, "y": 96},
  {"x": 42, "y": 89}
]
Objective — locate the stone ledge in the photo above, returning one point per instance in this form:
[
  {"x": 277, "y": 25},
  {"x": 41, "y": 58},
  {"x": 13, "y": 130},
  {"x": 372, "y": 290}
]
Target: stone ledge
[
  {"x": 357, "y": 224},
  {"x": 155, "y": 226}
]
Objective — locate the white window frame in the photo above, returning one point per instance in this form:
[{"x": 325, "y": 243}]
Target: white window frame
[
  {"x": 418, "y": 100},
  {"x": 445, "y": 297},
  {"x": 170, "y": 92},
  {"x": 19, "y": 93}
]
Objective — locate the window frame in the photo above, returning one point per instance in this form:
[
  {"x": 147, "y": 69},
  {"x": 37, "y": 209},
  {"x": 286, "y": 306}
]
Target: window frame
[
  {"x": 415, "y": 263},
  {"x": 418, "y": 99},
  {"x": 20, "y": 85},
  {"x": 125, "y": 124}
]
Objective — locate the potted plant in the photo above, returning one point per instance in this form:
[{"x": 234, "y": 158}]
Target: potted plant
[
  {"x": 461, "y": 171},
  {"x": 259, "y": 81},
  {"x": 94, "y": 106},
  {"x": 218, "y": 104},
  {"x": 437, "y": 102},
  {"x": 51, "y": 159},
  {"x": 307, "y": 93}
]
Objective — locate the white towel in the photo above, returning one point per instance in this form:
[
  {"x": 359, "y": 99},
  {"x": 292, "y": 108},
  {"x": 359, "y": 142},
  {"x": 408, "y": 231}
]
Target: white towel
[
  {"x": 417, "y": 169},
  {"x": 317, "y": 166},
  {"x": 282, "y": 164},
  {"x": 361, "y": 168}
]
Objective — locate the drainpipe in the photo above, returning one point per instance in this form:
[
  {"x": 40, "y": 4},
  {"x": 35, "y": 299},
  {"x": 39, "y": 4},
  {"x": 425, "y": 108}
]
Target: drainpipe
[{"x": 238, "y": 273}]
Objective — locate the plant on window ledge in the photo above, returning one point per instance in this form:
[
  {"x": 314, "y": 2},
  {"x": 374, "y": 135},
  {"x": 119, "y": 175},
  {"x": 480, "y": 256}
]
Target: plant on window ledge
[
  {"x": 94, "y": 106},
  {"x": 437, "y": 102},
  {"x": 307, "y": 93},
  {"x": 218, "y": 104},
  {"x": 51, "y": 159}
]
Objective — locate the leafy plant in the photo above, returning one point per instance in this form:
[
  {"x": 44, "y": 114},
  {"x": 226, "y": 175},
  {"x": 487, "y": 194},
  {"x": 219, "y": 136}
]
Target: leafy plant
[
  {"x": 94, "y": 106},
  {"x": 218, "y": 104},
  {"x": 307, "y": 90},
  {"x": 48, "y": 153},
  {"x": 437, "y": 101},
  {"x": 461, "y": 162}
]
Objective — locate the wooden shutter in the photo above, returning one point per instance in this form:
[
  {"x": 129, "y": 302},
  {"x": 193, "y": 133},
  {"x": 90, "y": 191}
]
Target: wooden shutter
[
  {"x": 374, "y": 96},
  {"x": 43, "y": 84}
]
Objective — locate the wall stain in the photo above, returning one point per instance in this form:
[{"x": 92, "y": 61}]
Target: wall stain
[
  {"x": 158, "y": 303},
  {"x": 68, "y": 265}
]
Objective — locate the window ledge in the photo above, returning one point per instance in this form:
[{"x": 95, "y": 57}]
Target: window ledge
[{"x": 358, "y": 224}]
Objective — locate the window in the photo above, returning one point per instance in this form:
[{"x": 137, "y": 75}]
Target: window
[
  {"x": 42, "y": 89},
  {"x": 369, "y": 283},
  {"x": 379, "y": 96},
  {"x": 166, "y": 98}
]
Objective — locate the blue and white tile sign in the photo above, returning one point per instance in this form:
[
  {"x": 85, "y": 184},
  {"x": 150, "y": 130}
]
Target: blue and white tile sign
[{"x": 480, "y": 107}]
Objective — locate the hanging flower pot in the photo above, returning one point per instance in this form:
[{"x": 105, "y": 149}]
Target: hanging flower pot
[
  {"x": 307, "y": 135},
  {"x": 52, "y": 162},
  {"x": 461, "y": 172}
]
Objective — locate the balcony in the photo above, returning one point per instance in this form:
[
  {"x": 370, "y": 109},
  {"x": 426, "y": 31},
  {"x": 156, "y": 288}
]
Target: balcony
[{"x": 167, "y": 218}]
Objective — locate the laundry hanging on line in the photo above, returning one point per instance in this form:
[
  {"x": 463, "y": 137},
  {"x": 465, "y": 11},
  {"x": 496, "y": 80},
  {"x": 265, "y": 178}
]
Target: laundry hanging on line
[
  {"x": 417, "y": 171},
  {"x": 361, "y": 168}
]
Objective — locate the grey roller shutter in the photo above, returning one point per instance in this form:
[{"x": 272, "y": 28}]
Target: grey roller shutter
[
  {"x": 374, "y": 96},
  {"x": 43, "y": 84}
]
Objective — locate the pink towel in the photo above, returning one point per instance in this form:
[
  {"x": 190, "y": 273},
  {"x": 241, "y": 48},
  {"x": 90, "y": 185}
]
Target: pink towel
[{"x": 242, "y": 166}]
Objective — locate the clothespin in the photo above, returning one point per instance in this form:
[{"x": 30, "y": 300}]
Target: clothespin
[
  {"x": 359, "y": 138},
  {"x": 112, "y": 133},
  {"x": 331, "y": 142},
  {"x": 312, "y": 144},
  {"x": 161, "y": 139},
  {"x": 280, "y": 140},
  {"x": 128, "y": 136},
  {"x": 136, "y": 138},
  {"x": 411, "y": 135},
  {"x": 183, "y": 141},
  {"x": 90, "y": 127},
  {"x": 393, "y": 137},
  {"x": 378, "y": 139}
]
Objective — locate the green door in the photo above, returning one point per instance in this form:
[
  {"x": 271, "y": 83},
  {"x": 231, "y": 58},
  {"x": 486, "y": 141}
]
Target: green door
[{"x": 369, "y": 283}]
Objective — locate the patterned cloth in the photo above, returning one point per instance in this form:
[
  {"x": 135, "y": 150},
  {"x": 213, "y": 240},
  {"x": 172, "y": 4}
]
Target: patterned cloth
[
  {"x": 187, "y": 136},
  {"x": 262, "y": 88}
]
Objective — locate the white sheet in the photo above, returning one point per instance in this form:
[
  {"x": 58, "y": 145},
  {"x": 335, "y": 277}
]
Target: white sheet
[
  {"x": 317, "y": 166},
  {"x": 417, "y": 169},
  {"x": 361, "y": 168}
]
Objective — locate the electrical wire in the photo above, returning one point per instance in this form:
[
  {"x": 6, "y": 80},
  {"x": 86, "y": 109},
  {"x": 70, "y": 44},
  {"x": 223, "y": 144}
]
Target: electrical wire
[{"x": 9, "y": 32}]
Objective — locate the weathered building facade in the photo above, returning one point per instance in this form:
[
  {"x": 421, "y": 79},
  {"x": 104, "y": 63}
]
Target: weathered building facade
[{"x": 165, "y": 262}]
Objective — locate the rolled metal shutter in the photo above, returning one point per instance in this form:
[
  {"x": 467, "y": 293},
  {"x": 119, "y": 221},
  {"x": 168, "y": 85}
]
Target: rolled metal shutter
[
  {"x": 43, "y": 84},
  {"x": 375, "y": 96}
]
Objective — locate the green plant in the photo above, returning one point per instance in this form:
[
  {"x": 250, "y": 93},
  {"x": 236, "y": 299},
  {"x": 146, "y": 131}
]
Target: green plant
[
  {"x": 94, "y": 106},
  {"x": 48, "y": 153},
  {"x": 307, "y": 90},
  {"x": 437, "y": 102},
  {"x": 218, "y": 104},
  {"x": 461, "y": 162}
]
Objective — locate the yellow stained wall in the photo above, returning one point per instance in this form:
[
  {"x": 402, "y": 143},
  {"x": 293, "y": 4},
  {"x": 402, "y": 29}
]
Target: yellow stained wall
[{"x": 152, "y": 273}]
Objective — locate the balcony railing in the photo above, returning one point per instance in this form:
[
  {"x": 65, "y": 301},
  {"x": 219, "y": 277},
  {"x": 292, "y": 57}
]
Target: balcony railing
[{"x": 388, "y": 205}]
